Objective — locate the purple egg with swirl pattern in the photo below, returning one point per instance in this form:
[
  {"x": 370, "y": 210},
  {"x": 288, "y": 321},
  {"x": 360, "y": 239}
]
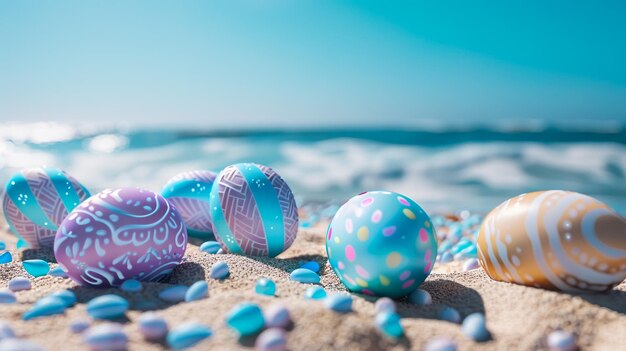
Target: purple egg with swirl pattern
[{"x": 121, "y": 234}]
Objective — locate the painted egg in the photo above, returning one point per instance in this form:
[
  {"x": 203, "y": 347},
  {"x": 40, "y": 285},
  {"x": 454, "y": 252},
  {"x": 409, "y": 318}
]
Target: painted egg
[
  {"x": 381, "y": 243},
  {"x": 189, "y": 192},
  {"x": 556, "y": 240},
  {"x": 37, "y": 200},
  {"x": 121, "y": 234},
  {"x": 253, "y": 210}
]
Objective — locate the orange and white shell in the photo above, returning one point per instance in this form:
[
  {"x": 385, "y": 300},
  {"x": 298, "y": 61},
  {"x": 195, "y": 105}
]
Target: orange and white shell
[{"x": 556, "y": 240}]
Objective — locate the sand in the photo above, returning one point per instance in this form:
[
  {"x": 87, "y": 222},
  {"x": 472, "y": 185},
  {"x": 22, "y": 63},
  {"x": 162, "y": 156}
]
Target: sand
[{"x": 518, "y": 317}]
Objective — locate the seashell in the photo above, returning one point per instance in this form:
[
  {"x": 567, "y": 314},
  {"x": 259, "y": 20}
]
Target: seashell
[
  {"x": 339, "y": 303},
  {"x": 556, "y": 240},
  {"x": 210, "y": 247},
  {"x": 219, "y": 270},
  {"x": 36, "y": 268},
  {"x": 197, "y": 291},
  {"x": 19, "y": 283},
  {"x": 389, "y": 324},
  {"x": 277, "y": 316},
  {"x": 152, "y": 326},
  {"x": 273, "y": 339},
  {"x": 265, "y": 286},
  {"x": 304, "y": 275},
  {"x": 107, "y": 307},
  {"x": 174, "y": 294},
  {"x": 187, "y": 335},
  {"x": 106, "y": 337},
  {"x": 315, "y": 293},
  {"x": 245, "y": 318}
]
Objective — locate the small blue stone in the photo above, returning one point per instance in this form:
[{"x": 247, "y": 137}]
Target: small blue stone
[
  {"x": 6, "y": 257},
  {"x": 440, "y": 344},
  {"x": 385, "y": 304},
  {"x": 446, "y": 257},
  {"x": 2, "y": 245},
  {"x": 562, "y": 341},
  {"x": 107, "y": 307},
  {"x": 246, "y": 319},
  {"x": 389, "y": 324},
  {"x": 219, "y": 270},
  {"x": 339, "y": 303},
  {"x": 68, "y": 297},
  {"x": 315, "y": 293},
  {"x": 420, "y": 297},
  {"x": 5, "y": 330},
  {"x": 210, "y": 247},
  {"x": 187, "y": 335},
  {"x": 19, "y": 284},
  {"x": 131, "y": 285},
  {"x": 47, "y": 306},
  {"x": 277, "y": 316},
  {"x": 312, "y": 266},
  {"x": 174, "y": 294},
  {"x": 36, "y": 268},
  {"x": 273, "y": 339},
  {"x": 450, "y": 314},
  {"x": 7, "y": 296},
  {"x": 58, "y": 272},
  {"x": 79, "y": 325},
  {"x": 265, "y": 286},
  {"x": 21, "y": 244},
  {"x": 152, "y": 326},
  {"x": 474, "y": 327},
  {"x": 106, "y": 337},
  {"x": 15, "y": 344},
  {"x": 198, "y": 290},
  {"x": 304, "y": 275}
]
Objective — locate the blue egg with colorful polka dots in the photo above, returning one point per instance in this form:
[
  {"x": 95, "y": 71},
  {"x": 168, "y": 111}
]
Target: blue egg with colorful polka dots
[{"x": 381, "y": 243}]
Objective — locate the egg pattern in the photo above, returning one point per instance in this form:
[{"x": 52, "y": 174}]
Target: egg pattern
[
  {"x": 555, "y": 240},
  {"x": 189, "y": 192},
  {"x": 253, "y": 210},
  {"x": 381, "y": 243},
  {"x": 37, "y": 200},
  {"x": 121, "y": 234}
]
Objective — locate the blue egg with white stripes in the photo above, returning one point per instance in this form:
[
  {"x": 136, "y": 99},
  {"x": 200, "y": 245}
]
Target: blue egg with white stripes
[{"x": 37, "y": 200}]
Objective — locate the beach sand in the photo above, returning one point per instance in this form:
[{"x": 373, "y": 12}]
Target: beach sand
[{"x": 518, "y": 317}]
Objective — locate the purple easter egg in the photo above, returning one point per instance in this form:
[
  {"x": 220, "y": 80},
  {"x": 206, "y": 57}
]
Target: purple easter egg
[
  {"x": 189, "y": 192},
  {"x": 253, "y": 210},
  {"x": 121, "y": 234}
]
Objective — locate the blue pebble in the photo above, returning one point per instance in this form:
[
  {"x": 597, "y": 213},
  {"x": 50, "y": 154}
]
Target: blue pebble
[
  {"x": 21, "y": 244},
  {"x": 2, "y": 245},
  {"x": 7, "y": 296},
  {"x": 198, "y": 290},
  {"x": 560, "y": 340},
  {"x": 67, "y": 296},
  {"x": 420, "y": 297},
  {"x": 440, "y": 344},
  {"x": 15, "y": 344},
  {"x": 107, "y": 307},
  {"x": 58, "y": 272},
  {"x": 450, "y": 314},
  {"x": 131, "y": 285},
  {"x": 312, "y": 266},
  {"x": 5, "y": 330},
  {"x": 210, "y": 247},
  {"x": 152, "y": 326},
  {"x": 446, "y": 257},
  {"x": 47, "y": 306},
  {"x": 19, "y": 284},
  {"x": 174, "y": 294},
  {"x": 277, "y": 316},
  {"x": 219, "y": 270},
  {"x": 304, "y": 275},
  {"x": 79, "y": 325},
  {"x": 474, "y": 327},
  {"x": 445, "y": 246},
  {"x": 246, "y": 319},
  {"x": 36, "y": 268},
  {"x": 339, "y": 303},
  {"x": 187, "y": 335},
  {"x": 273, "y": 339},
  {"x": 389, "y": 324},
  {"x": 385, "y": 304},
  {"x": 265, "y": 286},
  {"x": 106, "y": 337},
  {"x": 315, "y": 293},
  {"x": 6, "y": 257}
]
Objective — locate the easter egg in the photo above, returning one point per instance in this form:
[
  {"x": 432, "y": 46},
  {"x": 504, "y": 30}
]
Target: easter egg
[
  {"x": 37, "y": 200},
  {"x": 121, "y": 234},
  {"x": 253, "y": 210},
  {"x": 556, "y": 240},
  {"x": 189, "y": 192},
  {"x": 381, "y": 243}
]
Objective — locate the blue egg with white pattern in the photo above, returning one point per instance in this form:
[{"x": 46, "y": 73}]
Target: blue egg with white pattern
[{"x": 36, "y": 202}]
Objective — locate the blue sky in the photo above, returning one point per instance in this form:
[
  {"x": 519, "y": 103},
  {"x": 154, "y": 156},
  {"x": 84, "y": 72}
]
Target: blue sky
[{"x": 311, "y": 62}]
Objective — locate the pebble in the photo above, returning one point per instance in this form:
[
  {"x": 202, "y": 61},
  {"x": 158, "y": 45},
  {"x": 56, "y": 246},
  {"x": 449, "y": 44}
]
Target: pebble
[
  {"x": 560, "y": 340},
  {"x": 440, "y": 343},
  {"x": 78, "y": 326},
  {"x": 197, "y": 291},
  {"x": 219, "y": 270},
  {"x": 304, "y": 275},
  {"x": 58, "y": 272},
  {"x": 2, "y": 245},
  {"x": 152, "y": 326},
  {"x": 450, "y": 314},
  {"x": 109, "y": 337},
  {"x": 187, "y": 335},
  {"x": 36, "y": 268},
  {"x": 107, "y": 307},
  {"x": 220, "y": 252},
  {"x": 273, "y": 339},
  {"x": 474, "y": 327},
  {"x": 312, "y": 266},
  {"x": 6, "y": 257},
  {"x": 339, "y": 303},
  {"x": 245, "y": 318},
  {"x": 210, "y": 247},
  {"x": 21, "y": 243},
  {"x": 131, "y": 285},
  {"x": 174, "y": 294},
  {"x": 470, "y": 264},
  {"x": 19, "y": 284},
  {"x": 47, "y": 306},
  {"x": 265, "y": 286},
  {"x": 446, "y": 257},
  {"x": 5, "y": 330},
  {"x": 420, "y": 297},
  {"x": 389, "y": 324},
  {"x": 15, "y": 344},
  {"x": 315, "y": 293},
  {"x": 385, "y": 304},
  {"x": 7, "y": 296},
  {"x": 67, "y": 296},
  {"x": 276, "y": 316}
]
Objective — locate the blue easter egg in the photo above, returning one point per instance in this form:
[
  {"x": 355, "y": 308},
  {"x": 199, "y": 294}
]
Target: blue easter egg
[
  {"x": 189, "y": 192},
  {"x": 381, "y": 243}
]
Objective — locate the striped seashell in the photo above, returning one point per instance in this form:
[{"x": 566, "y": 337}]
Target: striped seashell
[{"x": 556, "y": 240}]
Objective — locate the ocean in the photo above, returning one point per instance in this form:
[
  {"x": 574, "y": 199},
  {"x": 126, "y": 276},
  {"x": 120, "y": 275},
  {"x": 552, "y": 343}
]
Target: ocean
[{"x": 449, "y": 168}]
